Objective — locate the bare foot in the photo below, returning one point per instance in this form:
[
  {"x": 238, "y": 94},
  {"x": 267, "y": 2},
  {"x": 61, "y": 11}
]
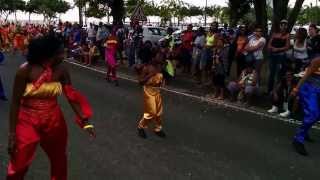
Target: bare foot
[{"x": 220, "y": 98}]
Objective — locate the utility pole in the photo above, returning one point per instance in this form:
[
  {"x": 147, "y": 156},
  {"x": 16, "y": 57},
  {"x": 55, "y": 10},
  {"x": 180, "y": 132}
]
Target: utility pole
[{"x": 205, "y": 13}]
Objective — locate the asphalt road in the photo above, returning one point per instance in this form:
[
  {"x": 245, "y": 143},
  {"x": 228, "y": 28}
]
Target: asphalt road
[{"x": 205, "y": 142}]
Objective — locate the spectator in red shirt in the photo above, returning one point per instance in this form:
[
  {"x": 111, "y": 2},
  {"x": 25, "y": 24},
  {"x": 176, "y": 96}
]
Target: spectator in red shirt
[{"x": 187, "y": 39}]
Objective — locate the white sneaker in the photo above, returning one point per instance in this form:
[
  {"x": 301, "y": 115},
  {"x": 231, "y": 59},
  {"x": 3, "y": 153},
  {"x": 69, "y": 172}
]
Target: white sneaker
[
  {"x": 274, "y": 109},
  {"x": 285, "y": 114}
]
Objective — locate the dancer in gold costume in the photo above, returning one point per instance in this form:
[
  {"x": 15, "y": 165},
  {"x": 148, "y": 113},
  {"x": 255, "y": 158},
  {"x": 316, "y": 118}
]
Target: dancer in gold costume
[{"x": 151, "y": 78}]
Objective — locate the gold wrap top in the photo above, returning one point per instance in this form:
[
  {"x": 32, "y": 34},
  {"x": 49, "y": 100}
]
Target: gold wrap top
[{"x": 46, "y": 90}]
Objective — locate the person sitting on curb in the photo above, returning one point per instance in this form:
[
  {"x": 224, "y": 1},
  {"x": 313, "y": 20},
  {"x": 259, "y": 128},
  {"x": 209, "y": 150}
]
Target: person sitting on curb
[{"x": 246, "y": 87}]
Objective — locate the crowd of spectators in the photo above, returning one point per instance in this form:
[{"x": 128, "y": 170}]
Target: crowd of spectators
[{"x": 207, "y": 56}]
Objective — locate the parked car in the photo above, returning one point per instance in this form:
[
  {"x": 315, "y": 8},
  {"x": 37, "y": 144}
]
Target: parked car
[
  {"x": 176, "y": 35},
  {"x": 153, "y": 34}
]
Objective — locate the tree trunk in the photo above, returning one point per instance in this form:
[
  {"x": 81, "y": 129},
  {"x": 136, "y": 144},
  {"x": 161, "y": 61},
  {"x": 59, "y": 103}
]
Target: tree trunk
[
  {"x": 280, "y": 11},
  {"x": 260, "y": 7},
  {"x": 29, "y": 17},
  {"x": 117, "y": 11},
  {"x": 233, "y": 14},
  {"x": 238, "y": 8},
  {"x": 294, "y": 14}
]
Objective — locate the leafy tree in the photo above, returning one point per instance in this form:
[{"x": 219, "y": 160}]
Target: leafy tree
[
  {"x": 238, "y": 8},
  {"x": 214, "y": 11},
  {"x": 308, "y": 14},
  {"x": 98, "y": 8},
  {"x": 173, "y": 7},
  {"x": 194, "y": 11},
  {"x": 150, "y": 8},
  {"x": 31, "y": 7},
  {"x": 11, "y": 6},
  {"x": 225, "y": 15},
  {"x": 49, "y": 8},
  {"x": 164, "y": 13}
]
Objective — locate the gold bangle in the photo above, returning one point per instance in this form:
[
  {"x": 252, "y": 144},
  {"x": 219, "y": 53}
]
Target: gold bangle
[{"x": 88, "y": 126}]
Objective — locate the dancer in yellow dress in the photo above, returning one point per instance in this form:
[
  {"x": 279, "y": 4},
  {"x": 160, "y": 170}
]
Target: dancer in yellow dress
[{"x": 151, "y": 78}]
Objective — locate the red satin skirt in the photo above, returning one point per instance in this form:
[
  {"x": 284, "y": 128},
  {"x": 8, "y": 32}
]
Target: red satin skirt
[{"x": 40, "y": 122}]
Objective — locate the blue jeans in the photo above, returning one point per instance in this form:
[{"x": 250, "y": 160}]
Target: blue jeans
[
  {"x": 206, "y": 58},
  {"x": 277, "y": 68},
  {"x": 132, "y": 55},
  {"x": 309, "y": 97}
]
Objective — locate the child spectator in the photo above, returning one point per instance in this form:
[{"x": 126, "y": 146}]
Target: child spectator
[
  {"x": 219, "y": 70},
  {"x": 246, "y": 87},
  {"x": 76, "y": 52},
  {"x": 93, "y": 53},
  {"x": 85, "y": 54}
]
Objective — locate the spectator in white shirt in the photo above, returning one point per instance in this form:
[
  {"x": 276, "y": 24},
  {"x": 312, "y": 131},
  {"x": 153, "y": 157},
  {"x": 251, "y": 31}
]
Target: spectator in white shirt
[
  {"x": 255, "y": 46},
  {"x": 92, "y": 33},
  {"x": 300, "y": 51}
]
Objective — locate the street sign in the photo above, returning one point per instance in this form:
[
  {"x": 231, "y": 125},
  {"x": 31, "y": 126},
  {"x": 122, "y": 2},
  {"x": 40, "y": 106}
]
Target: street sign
[{"x": 138, "y": 14}]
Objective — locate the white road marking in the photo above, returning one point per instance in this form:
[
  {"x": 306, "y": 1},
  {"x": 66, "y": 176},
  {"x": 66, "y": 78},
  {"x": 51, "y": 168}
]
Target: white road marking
[{"x": 203, "y": 99}]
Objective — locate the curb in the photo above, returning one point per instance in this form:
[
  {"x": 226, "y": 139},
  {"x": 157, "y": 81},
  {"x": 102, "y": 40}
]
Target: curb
[{"x": 204, "y": 99}]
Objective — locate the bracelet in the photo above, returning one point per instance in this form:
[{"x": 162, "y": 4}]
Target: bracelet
[{"x": 88, "y": 126}]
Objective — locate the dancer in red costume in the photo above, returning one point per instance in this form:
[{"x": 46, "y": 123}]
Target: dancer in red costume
[
  {"x": 35, "y": 116},
  {"x": 110, "y": 57}
]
